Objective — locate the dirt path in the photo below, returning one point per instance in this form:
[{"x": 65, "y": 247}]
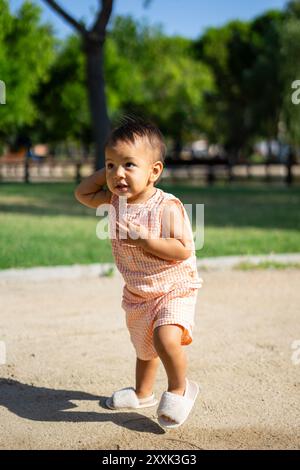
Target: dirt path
[{"x": 68, "y": 348}]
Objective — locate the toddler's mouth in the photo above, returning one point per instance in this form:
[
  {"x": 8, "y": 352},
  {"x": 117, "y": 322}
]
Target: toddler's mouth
[{"x": 122, "y": 187}]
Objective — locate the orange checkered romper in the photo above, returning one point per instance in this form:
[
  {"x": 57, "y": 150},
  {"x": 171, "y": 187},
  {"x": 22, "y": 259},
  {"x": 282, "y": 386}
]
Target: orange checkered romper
[{"x": 156, "y": 291}]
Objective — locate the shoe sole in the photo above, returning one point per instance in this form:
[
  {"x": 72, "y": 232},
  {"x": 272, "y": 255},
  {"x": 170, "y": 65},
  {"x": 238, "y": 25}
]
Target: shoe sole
[{"x": 109, "y": 405}]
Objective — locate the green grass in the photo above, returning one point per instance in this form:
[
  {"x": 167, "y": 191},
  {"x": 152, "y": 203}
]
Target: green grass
[
  {"x": 247, "y": 266},
  {"x": 43, "y": 224}
]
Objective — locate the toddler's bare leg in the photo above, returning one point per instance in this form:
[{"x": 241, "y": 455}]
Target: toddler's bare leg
[
  {"x": 167, "y": 342},
  {"x": 145, "y": 376}
]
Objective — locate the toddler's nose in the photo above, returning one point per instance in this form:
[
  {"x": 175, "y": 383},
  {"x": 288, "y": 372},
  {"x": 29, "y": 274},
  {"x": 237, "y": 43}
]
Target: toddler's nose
[{"x": 120, "y": 171}]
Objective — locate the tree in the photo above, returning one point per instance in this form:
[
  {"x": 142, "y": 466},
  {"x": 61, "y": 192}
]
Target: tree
[
  {"x": 158, "y": 77},
  {"x": 292, "y": 9},
  {"x": 26, "y": 52},
  {"x": 62, "y": 100},
  {"x": 226, "y": 51},
  {"x": 93, "y": 40},
  {"x": 290, "y": 72},
  {"x": 264, "y": 77},
  {"x": 245, "y": 61},
  {"x": 178, "y": 84}
]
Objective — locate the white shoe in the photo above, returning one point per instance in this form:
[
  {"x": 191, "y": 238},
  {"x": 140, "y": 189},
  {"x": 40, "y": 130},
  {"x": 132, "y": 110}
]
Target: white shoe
[
  {"x": 127, "y": 399},
  {"x": 177, "y": 407}
]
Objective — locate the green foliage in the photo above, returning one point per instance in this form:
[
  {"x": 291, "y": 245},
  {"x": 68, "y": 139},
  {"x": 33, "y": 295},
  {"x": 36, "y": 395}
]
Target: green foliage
[
  {"x": 26, "y": 51},
  {"x": 264, "y": 78},
  {"x": 157, "y": 77},
  {"x": 293, "y": 9},
  {"x": 245, "y": 61},
  {"x": 226, "y": 51},
  {"x": 62, "y": 99},
  {"x": 233, "y": 84},
  {"x": 290, "y": 72}
]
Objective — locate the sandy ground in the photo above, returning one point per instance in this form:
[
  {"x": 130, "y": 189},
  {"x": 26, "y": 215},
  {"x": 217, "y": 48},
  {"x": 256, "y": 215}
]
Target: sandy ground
[{"x": 68, "y": 349}]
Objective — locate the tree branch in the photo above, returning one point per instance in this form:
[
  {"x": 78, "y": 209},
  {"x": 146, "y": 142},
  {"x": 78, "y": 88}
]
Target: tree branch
[
  {"x": 102, "y": 19},
  {"x": 66, "y": 16}
]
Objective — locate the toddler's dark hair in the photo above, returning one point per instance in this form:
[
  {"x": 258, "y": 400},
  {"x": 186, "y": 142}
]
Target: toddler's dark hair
[{"x": 130, "y": 127}]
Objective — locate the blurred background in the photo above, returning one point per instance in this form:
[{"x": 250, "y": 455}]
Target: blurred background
[{"x": 221, "y": 79}]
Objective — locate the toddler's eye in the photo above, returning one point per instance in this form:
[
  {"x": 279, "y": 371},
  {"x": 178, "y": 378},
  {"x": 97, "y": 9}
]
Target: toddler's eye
[
  {"x": 130, "y": 163},
  {"x": 109, "y": 165}
]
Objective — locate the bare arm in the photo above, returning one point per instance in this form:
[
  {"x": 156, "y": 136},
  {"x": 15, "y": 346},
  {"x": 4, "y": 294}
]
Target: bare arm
[
  {"x": 166, "y": 248},
  {"x": 90, "y": 191},
  {"x": 176, "y": 242}
]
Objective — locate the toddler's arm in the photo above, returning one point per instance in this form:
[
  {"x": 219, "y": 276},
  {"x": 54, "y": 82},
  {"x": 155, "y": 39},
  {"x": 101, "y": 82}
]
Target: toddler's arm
[
  {"x": 176, "y": 244},
  {"x": 90, "y": 191}
]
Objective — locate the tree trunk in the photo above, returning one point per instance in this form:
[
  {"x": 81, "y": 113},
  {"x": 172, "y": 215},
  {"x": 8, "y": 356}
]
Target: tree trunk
[
  {"x": 177, "y": 149},
  {"x": 97, "y": 99},
  {"x": 93, "y": 42}
]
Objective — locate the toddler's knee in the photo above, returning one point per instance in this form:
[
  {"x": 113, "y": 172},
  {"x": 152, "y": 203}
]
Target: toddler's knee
[{"x": 165, "y": 341}]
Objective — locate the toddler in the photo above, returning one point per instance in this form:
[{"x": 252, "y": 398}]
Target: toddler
[{"x": 153, "y": 247}]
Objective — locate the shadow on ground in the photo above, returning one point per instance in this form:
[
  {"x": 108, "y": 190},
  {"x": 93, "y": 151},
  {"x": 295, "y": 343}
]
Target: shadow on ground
[{"x": 44, "y": 404}]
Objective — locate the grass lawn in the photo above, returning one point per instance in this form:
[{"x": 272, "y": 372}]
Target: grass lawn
[{"x": 43, "y": 224}]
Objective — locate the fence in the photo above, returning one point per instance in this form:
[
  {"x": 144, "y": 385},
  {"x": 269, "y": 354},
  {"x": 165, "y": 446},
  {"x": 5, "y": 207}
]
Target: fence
[{"x": 207, "y": 170}]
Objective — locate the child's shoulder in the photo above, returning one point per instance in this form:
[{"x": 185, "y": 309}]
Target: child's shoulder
[{"x": 169, "y": 197}]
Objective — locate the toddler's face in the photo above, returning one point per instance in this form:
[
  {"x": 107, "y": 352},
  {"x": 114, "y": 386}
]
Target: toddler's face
[{"x": 131, "y": 168}]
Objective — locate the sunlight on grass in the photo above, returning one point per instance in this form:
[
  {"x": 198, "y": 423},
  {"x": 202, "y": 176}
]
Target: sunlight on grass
[
  {"x": 44, "y": 225},
  {"x": 247, "y": 266}
]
